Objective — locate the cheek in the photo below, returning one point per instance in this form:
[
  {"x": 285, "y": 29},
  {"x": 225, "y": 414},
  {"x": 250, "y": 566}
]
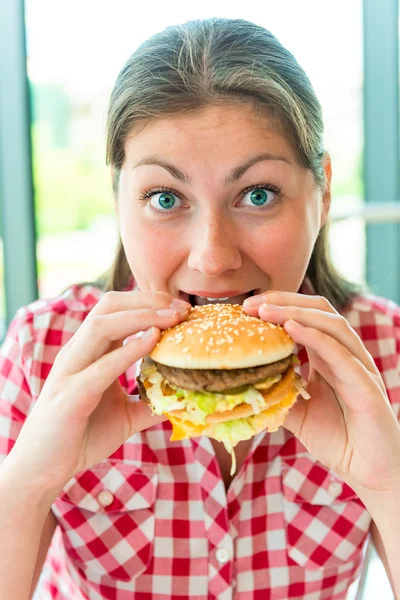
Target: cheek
[
  {"x": 282, "y": 249},
  {"x": 277, "y": 246},
  {"x": 152, "y": 252}
]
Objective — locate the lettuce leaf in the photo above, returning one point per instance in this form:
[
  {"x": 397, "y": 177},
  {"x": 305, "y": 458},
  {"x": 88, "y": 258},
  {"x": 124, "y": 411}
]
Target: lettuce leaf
[
  {"x": 197, "y": 404},
  {"x": 206, "y": 402},
  {"x": 162, "y": 404},
  {"x": 232, "y": 432}
]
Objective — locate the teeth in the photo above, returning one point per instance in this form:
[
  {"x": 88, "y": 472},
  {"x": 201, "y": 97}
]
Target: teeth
[{"x": 214, "y": 299}]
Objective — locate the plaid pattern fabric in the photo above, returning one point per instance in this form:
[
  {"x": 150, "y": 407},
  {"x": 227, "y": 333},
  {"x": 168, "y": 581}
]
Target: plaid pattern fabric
[{"x": 153, "y": 521}]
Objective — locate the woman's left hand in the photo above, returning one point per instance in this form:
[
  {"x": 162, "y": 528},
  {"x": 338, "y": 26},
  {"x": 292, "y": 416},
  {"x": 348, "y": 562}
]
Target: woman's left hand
[{"x": 348, "y": 423}]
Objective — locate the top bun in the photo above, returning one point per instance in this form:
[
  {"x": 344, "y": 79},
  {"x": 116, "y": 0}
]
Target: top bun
[{"x": 222, "y": 336}]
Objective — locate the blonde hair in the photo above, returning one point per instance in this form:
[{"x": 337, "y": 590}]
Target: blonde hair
[{"x": 214, "y": 61}]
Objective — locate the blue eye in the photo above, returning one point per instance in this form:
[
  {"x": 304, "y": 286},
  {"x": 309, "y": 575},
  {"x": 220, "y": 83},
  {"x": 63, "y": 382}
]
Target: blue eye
[
  {"x": 260, "y": 197},
  {"x": 163, "y": 201}
]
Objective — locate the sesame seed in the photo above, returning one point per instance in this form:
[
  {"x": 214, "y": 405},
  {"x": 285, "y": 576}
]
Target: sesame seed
[{"x": 218, "y": 326}]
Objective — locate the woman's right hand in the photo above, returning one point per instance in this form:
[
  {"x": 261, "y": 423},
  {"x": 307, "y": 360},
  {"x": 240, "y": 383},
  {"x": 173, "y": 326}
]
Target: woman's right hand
[{"x": 82, "y": 414}]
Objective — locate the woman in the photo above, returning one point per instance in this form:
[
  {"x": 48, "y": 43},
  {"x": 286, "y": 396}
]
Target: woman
[{"x": 222, "y": 188}]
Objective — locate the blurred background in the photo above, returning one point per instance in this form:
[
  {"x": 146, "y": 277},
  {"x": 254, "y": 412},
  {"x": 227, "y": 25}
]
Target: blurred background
[{"x": 58, "y": 62}]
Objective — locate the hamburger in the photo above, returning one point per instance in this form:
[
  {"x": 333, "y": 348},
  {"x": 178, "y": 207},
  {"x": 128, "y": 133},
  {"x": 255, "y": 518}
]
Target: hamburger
[{"x": 223, "y": 374}]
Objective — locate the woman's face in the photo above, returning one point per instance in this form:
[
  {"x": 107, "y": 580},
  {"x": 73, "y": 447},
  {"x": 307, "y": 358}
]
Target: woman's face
[{"x": 214, "y": 204}]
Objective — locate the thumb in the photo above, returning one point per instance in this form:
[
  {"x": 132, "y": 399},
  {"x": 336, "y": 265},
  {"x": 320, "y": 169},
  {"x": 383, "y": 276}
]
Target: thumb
[
  {"x": 140, "y": 414},
  {"x": 295, "y": 418}
]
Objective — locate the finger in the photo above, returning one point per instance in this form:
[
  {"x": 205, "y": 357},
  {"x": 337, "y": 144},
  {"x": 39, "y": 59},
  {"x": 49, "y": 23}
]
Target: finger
[
  {"x": 140, "y": 412},
  {"x": 356, "y": 385},
  {"x": 303, "y": 416},
  {"x": 251, "y": 305},
  {"x": 331, "y": 324},
  {"x": 96, "y": 337},
  {"x": 99, "y": 376},
  {"x": 115, "y": 301},
  {"x": 318, "y": 367}
]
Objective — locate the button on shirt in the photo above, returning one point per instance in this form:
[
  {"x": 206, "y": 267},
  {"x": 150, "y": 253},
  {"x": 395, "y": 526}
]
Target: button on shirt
[
  {"x": 222, "y": 555},
  {"x": 105, "y": 498},
  {"x": 154, "y": 521}
]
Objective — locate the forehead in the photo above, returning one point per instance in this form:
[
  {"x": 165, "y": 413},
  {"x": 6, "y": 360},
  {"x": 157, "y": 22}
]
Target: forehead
[{"x": 215, "y": 132}]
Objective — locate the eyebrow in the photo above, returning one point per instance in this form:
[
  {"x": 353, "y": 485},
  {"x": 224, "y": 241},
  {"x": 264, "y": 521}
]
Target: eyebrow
[{"x": 236, "y": 174}]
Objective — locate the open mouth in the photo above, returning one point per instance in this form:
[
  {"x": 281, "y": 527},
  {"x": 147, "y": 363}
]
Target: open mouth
[{"x": 202, "y": 300}]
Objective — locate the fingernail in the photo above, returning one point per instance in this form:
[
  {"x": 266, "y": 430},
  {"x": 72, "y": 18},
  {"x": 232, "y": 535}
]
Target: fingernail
[
  {"x": 148, "y": 333},
  {"x": 180, "y": 305},
  {"x": 272, "y": 307},
  {"x": 255, "y": 300},
  {"x": 294, "y": 324},
  {"x": 166, "y": 312}
]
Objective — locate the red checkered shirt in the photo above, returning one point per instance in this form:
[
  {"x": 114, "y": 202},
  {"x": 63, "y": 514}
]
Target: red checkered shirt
[{"x": 153, "y": 521}]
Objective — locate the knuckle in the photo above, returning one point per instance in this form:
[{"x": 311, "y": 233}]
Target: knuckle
[
  {"x": 347, "y": 325},
  {"x": 338, "y": 318},
  {"x": 163, "y": 298},
  {"x": 377, "y": 376},
  {"x": 343, "y": 322},
  {"x": 67, "y": 346},
  {"x": 64, "y": 350},
  {"x": 319, "y": 335},
  {"x": 60, "y": 355},
  {"x": 295, "y": 312},
  {"x": 161, "y": 295},
  {"x": 109, "y": 300},
  {"x": 324, "y": 304},
  {"x": 96, "y": 325},
  {"x": 270, "y": 297},
  {"x": 99, "y": 369}
]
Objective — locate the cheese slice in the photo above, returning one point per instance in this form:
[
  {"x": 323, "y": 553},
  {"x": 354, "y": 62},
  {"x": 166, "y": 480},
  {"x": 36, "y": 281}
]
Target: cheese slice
[{"x": 183, "y": 429}]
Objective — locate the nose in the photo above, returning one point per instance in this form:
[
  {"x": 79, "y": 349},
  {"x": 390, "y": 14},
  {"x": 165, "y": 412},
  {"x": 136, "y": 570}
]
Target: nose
[{"x": 214, "y": 247}]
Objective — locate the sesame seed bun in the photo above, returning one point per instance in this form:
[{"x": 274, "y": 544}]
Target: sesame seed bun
[{"x": 222, "y": 336}]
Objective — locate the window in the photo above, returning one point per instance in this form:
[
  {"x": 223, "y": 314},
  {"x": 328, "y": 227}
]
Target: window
[{"x": 71, "y": 81}]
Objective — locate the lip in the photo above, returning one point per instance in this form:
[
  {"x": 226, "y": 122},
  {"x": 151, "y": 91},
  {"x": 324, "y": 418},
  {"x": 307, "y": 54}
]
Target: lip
[
  {"x": 186, "y": 296},
  {"x": 224, "y": 294}
]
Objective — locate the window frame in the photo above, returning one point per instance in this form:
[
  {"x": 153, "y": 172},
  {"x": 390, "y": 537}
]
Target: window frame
[
  {"x": 381, "y": 142},
  {"x": 18, "y": 227}
]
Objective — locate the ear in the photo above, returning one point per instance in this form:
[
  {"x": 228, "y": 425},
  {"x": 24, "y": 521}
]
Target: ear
[
  {"x": 114, "y": 188},
  {"x": 326, "y": 197}
]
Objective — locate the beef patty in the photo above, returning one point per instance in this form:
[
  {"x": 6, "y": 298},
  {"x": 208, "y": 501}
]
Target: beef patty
[
  {"x": 220, "y": 380},
  {"x": 142, "y": 391}
]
